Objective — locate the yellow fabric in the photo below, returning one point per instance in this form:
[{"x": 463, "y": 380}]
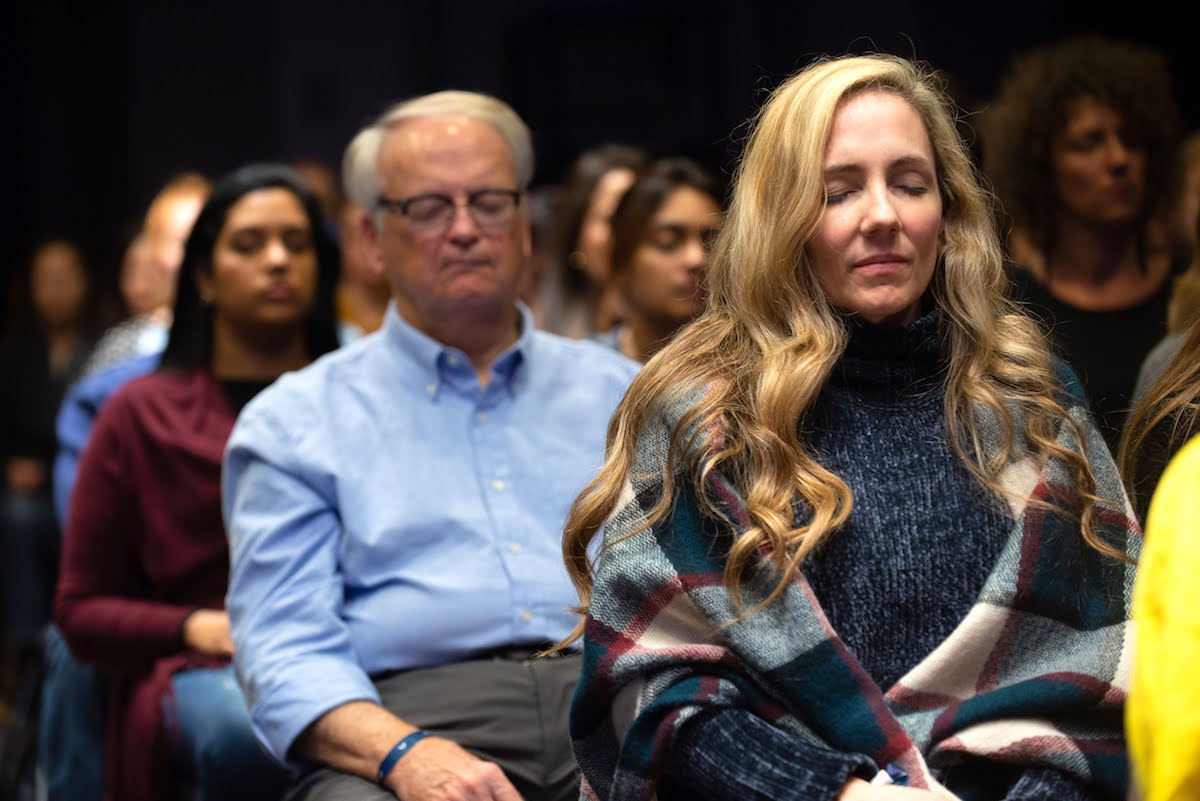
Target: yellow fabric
[{"x": 1163, "y": 710}]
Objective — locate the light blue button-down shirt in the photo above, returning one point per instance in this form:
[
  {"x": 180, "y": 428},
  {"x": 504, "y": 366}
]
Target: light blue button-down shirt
[{"x": 386, "y": 512}]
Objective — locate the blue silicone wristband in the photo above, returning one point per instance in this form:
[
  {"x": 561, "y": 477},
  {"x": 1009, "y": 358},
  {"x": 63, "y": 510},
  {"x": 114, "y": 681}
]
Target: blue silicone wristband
[{"x": 398, "y": 750}]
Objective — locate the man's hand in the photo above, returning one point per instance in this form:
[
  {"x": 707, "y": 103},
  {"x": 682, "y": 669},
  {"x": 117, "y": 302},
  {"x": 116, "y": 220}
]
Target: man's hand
[
  {"x": 356, "y": 736},
  {"x": 440, "y": 770},
  {"x": 207, "y": 631}
]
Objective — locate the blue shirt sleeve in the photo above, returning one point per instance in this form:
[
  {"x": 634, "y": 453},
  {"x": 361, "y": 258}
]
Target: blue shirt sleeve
[
  {"x": 72, "y": 426},
  {"x": 293, "y": 652}
]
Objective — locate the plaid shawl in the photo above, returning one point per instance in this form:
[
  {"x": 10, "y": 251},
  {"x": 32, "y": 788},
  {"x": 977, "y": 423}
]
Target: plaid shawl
[{"x": 1035, "y": 675}]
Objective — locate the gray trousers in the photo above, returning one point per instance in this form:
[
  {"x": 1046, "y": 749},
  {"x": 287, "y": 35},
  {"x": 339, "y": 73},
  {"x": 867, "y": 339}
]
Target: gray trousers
[{"x": 513, "y": 713}]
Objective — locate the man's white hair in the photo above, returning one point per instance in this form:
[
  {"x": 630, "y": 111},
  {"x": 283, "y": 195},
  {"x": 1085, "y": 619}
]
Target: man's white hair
[{"x": 360, "y": 164}]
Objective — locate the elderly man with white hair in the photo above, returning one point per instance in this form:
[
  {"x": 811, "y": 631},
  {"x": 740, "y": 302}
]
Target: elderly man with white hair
[{"x": 395, "y": 509}]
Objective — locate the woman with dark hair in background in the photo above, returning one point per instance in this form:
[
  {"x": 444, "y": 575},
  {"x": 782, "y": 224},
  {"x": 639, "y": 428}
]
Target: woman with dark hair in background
[
  {"x": 575, "y": 297},
  {"x": 37, "y": 365},
  {"x": 1080, "y": 145},
  {"x": 145, "y": 558},
  {"x": 662, "y": 232}
]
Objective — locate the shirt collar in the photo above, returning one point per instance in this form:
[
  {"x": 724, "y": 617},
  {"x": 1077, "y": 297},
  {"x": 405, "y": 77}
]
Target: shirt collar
[{"x": 440, "y": 365}]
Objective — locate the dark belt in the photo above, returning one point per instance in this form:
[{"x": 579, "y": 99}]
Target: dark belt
[{"x": 522, "y": 652}]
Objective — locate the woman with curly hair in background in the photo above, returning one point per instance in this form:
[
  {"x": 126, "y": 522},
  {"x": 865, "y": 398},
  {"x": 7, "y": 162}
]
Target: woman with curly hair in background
[{"x": 1079, "y": 146}]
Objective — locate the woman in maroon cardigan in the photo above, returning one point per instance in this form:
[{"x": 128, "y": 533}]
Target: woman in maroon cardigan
[{"x": 145, "y": 560}]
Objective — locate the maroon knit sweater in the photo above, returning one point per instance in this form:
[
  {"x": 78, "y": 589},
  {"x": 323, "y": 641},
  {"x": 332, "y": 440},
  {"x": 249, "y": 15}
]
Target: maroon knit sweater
[{"x": 144, "y": 546}]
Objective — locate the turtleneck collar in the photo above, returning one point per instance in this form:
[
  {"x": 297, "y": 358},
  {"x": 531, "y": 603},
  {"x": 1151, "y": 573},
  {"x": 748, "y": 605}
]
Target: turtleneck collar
[{"x": 890, "y": 362}]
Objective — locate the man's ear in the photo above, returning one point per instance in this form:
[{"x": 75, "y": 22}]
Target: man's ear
[{"x": 371, "y": 247}]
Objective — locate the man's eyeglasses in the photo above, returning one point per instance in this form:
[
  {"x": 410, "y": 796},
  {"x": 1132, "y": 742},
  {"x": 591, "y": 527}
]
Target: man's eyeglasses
[{"x": 433, "y": 213}]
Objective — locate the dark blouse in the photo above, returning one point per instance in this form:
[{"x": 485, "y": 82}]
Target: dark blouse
[
  {"x": 30, "y": 401},
  {"x": 1106, "y": 349}
]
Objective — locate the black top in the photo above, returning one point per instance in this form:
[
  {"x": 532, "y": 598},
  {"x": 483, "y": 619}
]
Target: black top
[
  {"x": 29, "y": 403},
  {"x": 239, "y": 393},
  {"x": 1106, "y": 349}
]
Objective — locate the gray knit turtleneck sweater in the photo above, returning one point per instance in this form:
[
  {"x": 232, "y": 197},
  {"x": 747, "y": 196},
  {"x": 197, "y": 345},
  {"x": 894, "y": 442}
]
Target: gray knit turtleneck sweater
[{"x": 923, "y": 534}]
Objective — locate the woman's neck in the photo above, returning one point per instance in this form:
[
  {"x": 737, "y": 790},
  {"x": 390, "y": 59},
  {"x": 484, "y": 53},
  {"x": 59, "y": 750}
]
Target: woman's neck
[
  {"x": 639, "y": 338},
  {"x": 257, "y": 356},
  {"x": 608, "y": 308},
  {"x": 1093, "y": 256},
  {"x": 1099, "y": 269},
  {"x": 61, "y": 344}
]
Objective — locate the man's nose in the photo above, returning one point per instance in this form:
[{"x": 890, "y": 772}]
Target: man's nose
[{"x": 462, "y": 225}]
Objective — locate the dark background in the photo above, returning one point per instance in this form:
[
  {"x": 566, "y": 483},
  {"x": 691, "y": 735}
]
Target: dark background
[{"x": 102, "y": 102}]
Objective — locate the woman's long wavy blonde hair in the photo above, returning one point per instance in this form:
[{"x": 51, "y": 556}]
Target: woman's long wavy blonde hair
[{"x": 769, "y": 338}]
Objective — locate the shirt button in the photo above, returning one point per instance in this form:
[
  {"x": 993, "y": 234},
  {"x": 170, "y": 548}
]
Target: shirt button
[
  {"x": 497, "y": 485},
  {"x": 431, "y": 388},
  {"x": 527, "y": 616},
  {"x": 481, "y": 417},
  {"x": 452, "y": 360},
  {"x": 515, "y": 547}
]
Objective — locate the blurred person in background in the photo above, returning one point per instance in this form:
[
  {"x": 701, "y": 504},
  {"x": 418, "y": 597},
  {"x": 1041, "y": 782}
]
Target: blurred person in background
[
  {"x": 662, "y": 234},
  {"x": 576, "y": 297},
  {"x": 71, "y": 713},
  {"x": 38, "y": 365},
  {"x": 1080, "y": 145},
  {"x": 363, "y": 293},
  {"x": 140, "y": 281},
  {"x": 156, "y": 254},
  {"x": 145, "y": 557}
]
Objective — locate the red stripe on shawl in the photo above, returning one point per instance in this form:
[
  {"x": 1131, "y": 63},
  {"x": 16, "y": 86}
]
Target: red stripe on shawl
[
  {"x": 710, "y": 686},
  {"x": 1117, "y": 519},
  {"x": 919, "y": 699},
  {"x": 1031, "y": 750},
  {"x": 1031, "y": 545},
  {"x": 620, "y": 643},
  {"x": 1094, "y": 686}
]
